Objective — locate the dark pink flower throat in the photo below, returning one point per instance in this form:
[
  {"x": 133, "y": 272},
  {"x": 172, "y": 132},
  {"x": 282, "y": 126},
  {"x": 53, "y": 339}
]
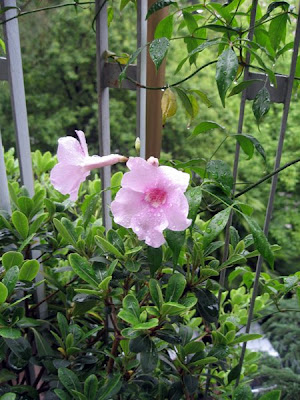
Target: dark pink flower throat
[{"x": 156, "y": 197}]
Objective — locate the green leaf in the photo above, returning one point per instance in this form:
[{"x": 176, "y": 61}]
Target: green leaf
[
  {"x": 156, "y": 293},
  {"x": 10, "y": 279},
  {"x": 158, "y": 5},
  {"x": 194, "y": 197},
  {"x": 246, "y": 337},
  {"x": 175, "y": 288},
  {"x": 29, "y": 270},
  {"x": 204, "y": 361},
  {"x": 158, "y": 50},
  {"x": 146, "y": 325},
  {"x": 175, "y": 241},
  {"x": 220, "y": 172},
  {"x": 190, "y": 22},
  {"x": 234, "y": 373},
  {"x": 168, "y": 336},
  {"x": 62, "y": 394},
  {"x": 8, "y": 396},
  {"x": 191, "y": 383},
  {"x": 261, "y": 104},
  {"x": 91, "y": 387},
  {"x": 149, "y": 359},
  {"x": 129, "y": 317},
  {"x": 131, "y": 304},
  {"x": 132, "y": 265},
  {"x": 226, "y": 71},
  {"x": 25, "y": 205},
  {"x": 108, "y": 247},
  {"x": 277, "y": 30},
  {"x": 3, "y": 293},
  {"x": 20, "y": 222},
  {"x": 206, "y": 126},
  {"x": 242, "y": 391},
  {"x": 112, "y": 386},
  {"x": 164, "y": 28},
  {"x": 172, "y": 308},
  {"x": 69, "y": 380},
  {"x": 6, "y": 375},
  {"x": 12, "y": 258},
  {"x": 140, "y": 343},
  {"x": 10, "y": 333},
  {"x": 105, "y": 283},
  {"x": 114, "y": 238},
  {"x": 203, "y": 97},
  {"x": 242, "y": 86},
  {"x": 215, "y": 226},
  {"x": 273, "y": 395},
  {"x": 260, "y": 241},
  {"x": 186, "y": 102},
  {"x": 83, "y": 269},
  {"x": 208, "y": 305},
  {"x": 132, "y": 58},
  {"x": 154, "y": 256},
  {"x": 66, "y": 229},
  {"x": 35, "y": 225},
  {"x": 193, "y": 347},
  {"x": 20, "y": 347}
]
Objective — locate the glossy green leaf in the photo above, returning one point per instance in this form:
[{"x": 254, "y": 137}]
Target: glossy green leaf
[
  {"x": 234, "y": 373},
  {"x": 185, "y": 100},
  {"x": 20, "y": 222},
  {"x": 246, "y": 337},
  {"x": 114, "y": 238},
  {"x": 66, "y": 229},
  {"x": 242, "y": 86},
  {"x": 149, "y": 359},
  {"x": 25, "y": 205},
  {"x": 204, "y": 361},
  {"x": 208, "y": 305},
  {"x": 175, "y": 241},
  {"x": 10, "y": 333},
  {"x": 69, "y": 379},
  {"x": 111, "y": 387},
  {"x": 3, "y": 293},
  {"x": 277, "y": 30},
  {"x": 132, "y": 58},
  {"x": 190, "y": 21},
  {"x": 131, "y": 304},
  {"x": 12, "y": 258},
  {"x": 91, "y": 387},
  {"x": 206, "y": 126},
  {"x": 164, "y": 28},
  {"x": 226, "y": 71},
  {"x": 193, "y": 347},
  {"x": 83, "y": 269},
  {"x": 273, "y": 395},
  {"x": 194, "y": 197},
  {"x": 8, "y": 396},
  {"x": 175, "y": 287},
  {"x": 158, "y": 50},
  {"x": 172, "y": 308},
  {"x": 220, "y": 172},
  {"x": 146, "y": 325},
  {"x": 10, "y": 279},
  {"x": 154, "y": 256},
  {"x": 261, "y": 104},
  {"x": 156, "y": 293},
  {"x": 140, "y": 343},
  {"x": 248, "y": 143},
  {"x": 108, "y": 247},
  {"x": 260, "y": 241},
  {"x": 36, "y": 224},
  {"x": 29, "y": 270},
  {"x": 215, "y": 226},
  {"x": 158, "y": 5}
]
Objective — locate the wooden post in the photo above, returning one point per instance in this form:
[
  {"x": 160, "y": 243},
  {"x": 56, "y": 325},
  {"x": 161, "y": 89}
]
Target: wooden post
[{"x": 153, "y": 102}]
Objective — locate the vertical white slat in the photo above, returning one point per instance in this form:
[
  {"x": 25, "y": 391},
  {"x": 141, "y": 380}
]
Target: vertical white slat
[
  {"x": 141, "y": 75},
  {"x": 17, "y": 90},
  {"x": 103, "y": 106},
  {"x": 4, "y": 193}
]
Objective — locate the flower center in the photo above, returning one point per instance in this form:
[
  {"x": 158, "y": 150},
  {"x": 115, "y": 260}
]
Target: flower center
[{"x": 156, "y": 197}]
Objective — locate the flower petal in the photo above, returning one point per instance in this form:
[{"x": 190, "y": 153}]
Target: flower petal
[
  {"x": 125, "y": 206},
  {"x": 149, "y": 224},
  {"x": 67, "y": 179},
  {"x": 70, "y": 151},
  {"x": 81, "y": 137},
  {"x": 141, "y": 176},
  {"x": 176, "y": 211},
  {"x": 99, "y": 162},
  {"x": 175, "y": 178}
]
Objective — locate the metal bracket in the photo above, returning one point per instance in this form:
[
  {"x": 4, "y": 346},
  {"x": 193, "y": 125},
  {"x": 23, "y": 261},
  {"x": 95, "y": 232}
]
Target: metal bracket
[{"x": 277, "y": 94}]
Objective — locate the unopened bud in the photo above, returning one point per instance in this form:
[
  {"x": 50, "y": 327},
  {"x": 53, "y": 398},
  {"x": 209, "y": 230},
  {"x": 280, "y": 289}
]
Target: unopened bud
[{"x": 137, "y": 145}]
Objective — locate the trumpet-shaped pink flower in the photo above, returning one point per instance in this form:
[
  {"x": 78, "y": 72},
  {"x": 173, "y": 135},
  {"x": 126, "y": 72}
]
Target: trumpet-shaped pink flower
[
  {"x": 152, "y": 199},
  {"x": 75, "y": 164}
]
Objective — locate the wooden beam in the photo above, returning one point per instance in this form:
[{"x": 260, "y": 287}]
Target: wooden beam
[{"x": 154, "y": 78}]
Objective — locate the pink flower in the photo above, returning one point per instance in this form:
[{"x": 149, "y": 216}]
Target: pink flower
[
  {"x": 152, "y": 199},
  {"x": 75, "y": 164}
]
